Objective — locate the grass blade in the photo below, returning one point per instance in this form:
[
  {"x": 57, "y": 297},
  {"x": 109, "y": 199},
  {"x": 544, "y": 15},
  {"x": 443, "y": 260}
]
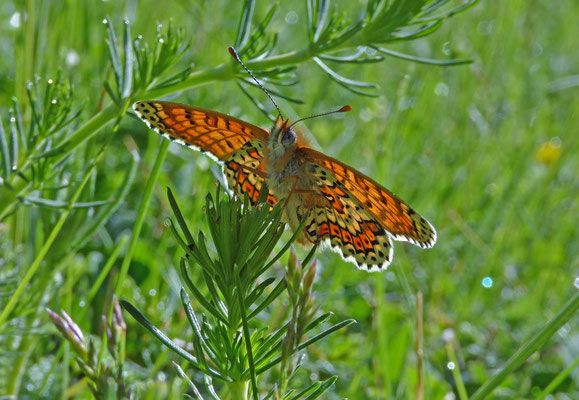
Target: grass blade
[
  {"x": 45, "y": 248},
  {"x": 535, "y": 343},
  {"x": 4, "y": 151}
]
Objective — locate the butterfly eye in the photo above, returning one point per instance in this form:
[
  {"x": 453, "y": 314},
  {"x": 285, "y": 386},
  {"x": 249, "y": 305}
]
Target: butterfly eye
[{"x": 289, "y": 137}]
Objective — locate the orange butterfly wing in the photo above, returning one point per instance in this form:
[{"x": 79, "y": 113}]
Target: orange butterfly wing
[
  {"x": 208, "y": 131},
  {"x": 236, "y": 143},
  {"x": 394, "y": 215}
]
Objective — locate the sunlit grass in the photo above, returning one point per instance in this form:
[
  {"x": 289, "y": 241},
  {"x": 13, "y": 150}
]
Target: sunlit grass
[{"x": 487, "y": 152}]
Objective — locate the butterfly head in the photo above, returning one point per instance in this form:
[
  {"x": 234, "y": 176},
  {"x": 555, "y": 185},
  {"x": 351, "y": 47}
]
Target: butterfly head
[{"x": 283, "y": 136}]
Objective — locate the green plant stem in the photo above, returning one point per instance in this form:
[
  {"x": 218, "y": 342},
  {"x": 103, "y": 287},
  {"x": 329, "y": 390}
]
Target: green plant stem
[
  {"x": 141, "y": 215},
  {"x": 246, "y": 335},
  {"x": 238, "y": 390},
  {"x": 44, "y": 250},
  {"x": 456, "y": 372},
  {"x": 558, "y": 379},
  {"x": 532, "y": 345}
]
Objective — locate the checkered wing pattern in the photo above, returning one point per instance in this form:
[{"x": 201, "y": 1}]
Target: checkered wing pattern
[
  {"x": 244, "y": 171},
  {"x": 208, "y": 131},
  {"x": 392, "y": 214},
  {"x": 235, "y": 143},
  {"x": 337, "y": 218}
]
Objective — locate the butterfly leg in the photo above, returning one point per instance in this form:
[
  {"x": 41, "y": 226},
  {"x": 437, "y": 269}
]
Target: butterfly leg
[{"x": 295, "y": 190}]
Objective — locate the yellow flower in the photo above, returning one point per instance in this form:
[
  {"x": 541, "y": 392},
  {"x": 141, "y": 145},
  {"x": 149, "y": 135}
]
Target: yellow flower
[{"x": 549, "y": 152}]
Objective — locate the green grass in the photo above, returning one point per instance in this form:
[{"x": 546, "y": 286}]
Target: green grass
[{"x": 460, "y": 144}]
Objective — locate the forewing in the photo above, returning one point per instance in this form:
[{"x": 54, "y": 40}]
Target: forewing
[
  {"x": 336, "y": 217},
  {"x": 244, "y": 171},
  {"x": 208, "y": 131},
  {"x": 394, "y": 215}
]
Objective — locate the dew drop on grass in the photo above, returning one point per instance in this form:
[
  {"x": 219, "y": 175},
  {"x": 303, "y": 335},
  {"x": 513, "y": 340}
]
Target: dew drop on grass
[
  {"x": 487, "y": 282},
  {"x": 441, "y": 89},
  {"x": 447, "y": 335},
  {"x": 152, "y": 292},
  {"x": 370, "y": 51},
  {"x": 577, "y": 282},
  {"x": 291, "y": 17},
  {"x": 446, "y": 48},
  {"x": 72, "y": 58},
  {"x": 81, "y": 304},
  {"x": 450, "y": 365},
  {"x": 15, "y": 20},
  {"x": 564, "y": 330}
]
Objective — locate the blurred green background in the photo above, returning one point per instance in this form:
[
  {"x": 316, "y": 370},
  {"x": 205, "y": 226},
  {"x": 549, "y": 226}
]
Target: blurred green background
[{"x": 487, "y": 152}]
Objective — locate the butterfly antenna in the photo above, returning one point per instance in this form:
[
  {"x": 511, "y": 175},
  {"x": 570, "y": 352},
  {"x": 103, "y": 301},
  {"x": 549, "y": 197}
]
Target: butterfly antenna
[
  {"x": 234, "y": 55},
  {"x": 341, "y": 110}
]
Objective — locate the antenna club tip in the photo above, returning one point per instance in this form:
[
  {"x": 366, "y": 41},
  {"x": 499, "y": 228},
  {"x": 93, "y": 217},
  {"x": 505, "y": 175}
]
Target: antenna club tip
[
  {"x": 233, "y": 53},
  {"x": 345, "y": 109}
]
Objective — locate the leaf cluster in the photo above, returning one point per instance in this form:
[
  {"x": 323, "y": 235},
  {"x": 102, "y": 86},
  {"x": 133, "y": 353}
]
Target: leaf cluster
[{"x": 234, "y": 293}]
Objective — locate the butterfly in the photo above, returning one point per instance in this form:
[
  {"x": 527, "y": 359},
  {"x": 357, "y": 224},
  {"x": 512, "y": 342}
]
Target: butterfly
[{"x": 341, "y": 206}]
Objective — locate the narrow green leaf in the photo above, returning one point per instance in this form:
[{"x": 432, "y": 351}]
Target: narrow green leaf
[
  {"x": 244, "y": 27},
  {"x": 114, "y": 52},
  {"x": 5, "y": 153},
  {"x": 429, "y": 61},
  {"x": 536, "y": 342},
  {"x": 179, "y": 216},
  {"x": 62, "y": 204},
  {"x": 17, "y": 115},
  {"x": 195, "y": 323},
  {"x": 111, "y": 93},
  {"x": 310, "y": 389},
  {"x": 277, "y": 290},
  {"x": 359, "y": 57},
  {"x": 199, "y": 296},
  {"x": 247, "y": 339},
  {"x": 210, "y": 388},
  {"x": 141, "y": 319},
  {"x": 184, "y": 376},
  {"x": 322, "y": 388},
  {"x": 128, "y": 64},
  {"x": 307, "y": 343},
  {"x": 320, "y": 320},
  {"x": 450, "y": 13},
  {"x": 325, "y": 333},
  {"x": 14, "y": 146},
  {"x": 344, "y": 82},
  {"x": 561, "y": 376}
]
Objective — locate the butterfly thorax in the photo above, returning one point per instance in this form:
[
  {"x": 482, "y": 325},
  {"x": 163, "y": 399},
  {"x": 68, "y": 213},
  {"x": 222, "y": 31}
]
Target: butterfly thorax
[
  {"x": 282, "y": 166},
  {"x": 287, "y": 176}
]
